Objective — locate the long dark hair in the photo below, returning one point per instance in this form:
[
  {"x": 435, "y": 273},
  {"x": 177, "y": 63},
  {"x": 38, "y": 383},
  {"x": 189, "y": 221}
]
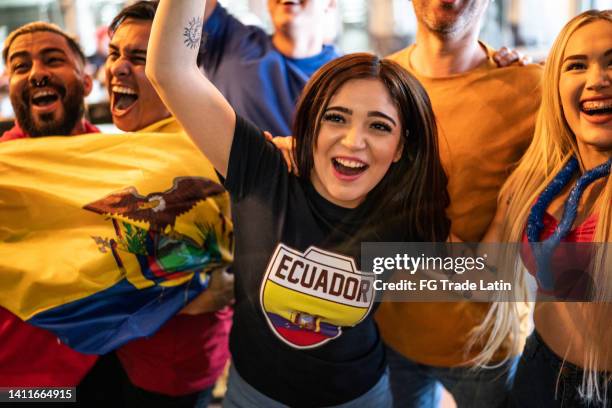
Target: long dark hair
[{"x": 412, "y": 196}]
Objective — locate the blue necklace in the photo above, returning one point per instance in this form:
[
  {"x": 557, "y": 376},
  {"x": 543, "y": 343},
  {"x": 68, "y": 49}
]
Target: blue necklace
[{"x": 543, "y": 250}]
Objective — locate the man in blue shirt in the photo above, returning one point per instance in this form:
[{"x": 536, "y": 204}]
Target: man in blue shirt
[{"x": 262, "y": 75}]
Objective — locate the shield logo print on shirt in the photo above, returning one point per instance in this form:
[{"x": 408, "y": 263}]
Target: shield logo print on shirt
[{"x": 308, "y": 297}]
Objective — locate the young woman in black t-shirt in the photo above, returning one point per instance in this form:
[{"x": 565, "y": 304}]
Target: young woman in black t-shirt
[{"x": 366, "y": 150}]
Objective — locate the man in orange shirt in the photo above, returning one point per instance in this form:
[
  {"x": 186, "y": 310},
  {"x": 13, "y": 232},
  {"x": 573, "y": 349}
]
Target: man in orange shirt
[{"x": 486, "y": 118}]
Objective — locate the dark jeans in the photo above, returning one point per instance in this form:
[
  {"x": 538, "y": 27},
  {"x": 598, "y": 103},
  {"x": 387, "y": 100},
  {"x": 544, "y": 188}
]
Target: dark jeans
[
  {"x": 543, "y": 380},
  {"x": 108, "y": 385},
  {"x": 102, "y": 385},
  {"x": 137, "y": 397},
  {"x": 241, "y": 394},
  {"x": 420, "y": 386}
]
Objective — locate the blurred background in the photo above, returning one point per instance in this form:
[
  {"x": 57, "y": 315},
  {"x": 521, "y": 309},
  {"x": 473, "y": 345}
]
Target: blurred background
[{"x": 380, "y": 26}]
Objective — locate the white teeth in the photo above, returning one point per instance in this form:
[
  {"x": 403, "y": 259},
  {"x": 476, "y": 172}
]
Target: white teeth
[
  {"x": 596, "y": 105},
  {"x": 39, "y": 94},
  {"x": 123, "y": 90},
  {"x": 351, "y": 163}
]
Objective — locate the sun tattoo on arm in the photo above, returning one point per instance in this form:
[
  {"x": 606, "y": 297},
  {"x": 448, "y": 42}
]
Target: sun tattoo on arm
[{"x": 193, "y": 33}]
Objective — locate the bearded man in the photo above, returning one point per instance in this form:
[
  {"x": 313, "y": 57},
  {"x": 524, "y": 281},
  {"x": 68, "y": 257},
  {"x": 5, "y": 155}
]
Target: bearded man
[{"x": 47, "y": 82}]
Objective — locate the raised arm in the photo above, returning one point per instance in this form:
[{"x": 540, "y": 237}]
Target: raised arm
[{"x": 171, "y": 66}]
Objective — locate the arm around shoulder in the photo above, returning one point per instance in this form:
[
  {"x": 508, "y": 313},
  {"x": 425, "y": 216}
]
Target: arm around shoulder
[
  {"x": 494, "y": 232},
  {"x": 171, "y": 66}
]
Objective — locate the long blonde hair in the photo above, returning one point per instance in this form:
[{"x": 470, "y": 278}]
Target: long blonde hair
[{"x": 553, "y": 145}]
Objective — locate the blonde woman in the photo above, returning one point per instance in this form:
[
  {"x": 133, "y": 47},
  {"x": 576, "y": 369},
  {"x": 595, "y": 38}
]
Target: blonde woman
[{"x": 561, "y": 192}]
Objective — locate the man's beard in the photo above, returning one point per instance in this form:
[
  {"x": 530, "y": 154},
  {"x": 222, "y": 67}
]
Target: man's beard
[
  {"x": 47, "y": 124},
  {"x": 449, "y": 27}
]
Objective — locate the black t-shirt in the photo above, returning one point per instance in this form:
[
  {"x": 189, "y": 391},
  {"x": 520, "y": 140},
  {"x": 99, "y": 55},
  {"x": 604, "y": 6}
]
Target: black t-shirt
[{"x": 303, "y": 331}]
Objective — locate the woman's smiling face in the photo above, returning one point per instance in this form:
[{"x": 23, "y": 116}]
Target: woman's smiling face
[
  {"x": 585, "y": 87},
  {"x": 359, "y": 138}
]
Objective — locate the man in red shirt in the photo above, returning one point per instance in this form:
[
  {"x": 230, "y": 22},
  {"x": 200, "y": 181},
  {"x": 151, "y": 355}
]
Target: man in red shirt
[{"x": 47, "y": 87}]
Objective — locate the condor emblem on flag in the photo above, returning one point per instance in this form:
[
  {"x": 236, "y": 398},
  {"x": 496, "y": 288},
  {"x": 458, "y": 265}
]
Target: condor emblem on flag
[
  {"x": 308, "y": 297},
  {"x": 171, "y": 233}
]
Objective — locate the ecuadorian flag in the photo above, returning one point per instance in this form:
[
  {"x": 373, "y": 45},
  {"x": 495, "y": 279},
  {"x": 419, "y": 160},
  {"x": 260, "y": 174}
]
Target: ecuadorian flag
[{"x": 105, "y": 237}]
